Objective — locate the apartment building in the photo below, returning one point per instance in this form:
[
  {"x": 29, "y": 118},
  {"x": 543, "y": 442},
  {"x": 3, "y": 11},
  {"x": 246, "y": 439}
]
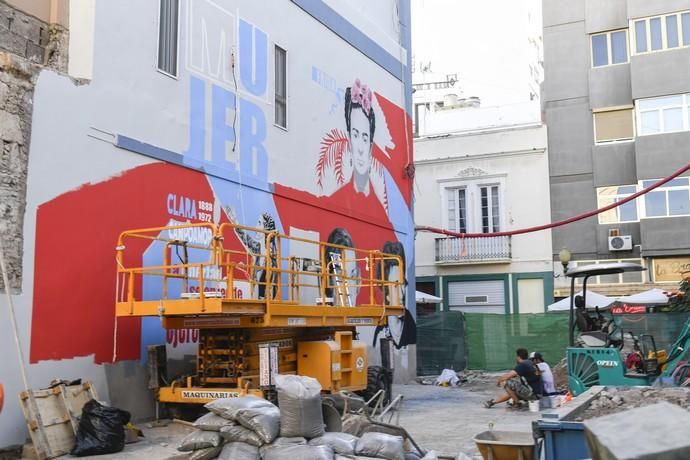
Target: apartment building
[{"x": 617, "y": 103}]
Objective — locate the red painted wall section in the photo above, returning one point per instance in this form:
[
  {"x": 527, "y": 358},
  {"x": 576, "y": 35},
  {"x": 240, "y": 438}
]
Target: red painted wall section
[
  {"x": 74, "y": 279},
  {"x": 397, "y": 159}
]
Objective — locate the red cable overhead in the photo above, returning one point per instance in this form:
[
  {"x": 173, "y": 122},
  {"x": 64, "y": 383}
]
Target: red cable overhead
[{"x": 570, "y": 220}]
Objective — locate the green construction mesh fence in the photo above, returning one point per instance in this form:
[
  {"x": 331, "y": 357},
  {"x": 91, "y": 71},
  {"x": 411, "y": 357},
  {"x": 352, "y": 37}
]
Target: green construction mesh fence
[
  {"x": 455, "y": 340},
  {"x": 440, "y": 342},
  {"x": 665, "y": 327},
  {"x": 492, "y": 339}
]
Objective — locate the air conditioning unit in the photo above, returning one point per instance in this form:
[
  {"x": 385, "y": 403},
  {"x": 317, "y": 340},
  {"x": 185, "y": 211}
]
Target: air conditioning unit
[{"x": 620, "y": 243}]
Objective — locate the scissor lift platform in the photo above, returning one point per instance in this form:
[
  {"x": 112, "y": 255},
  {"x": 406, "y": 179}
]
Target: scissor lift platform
[{"x": 268, "y": 270}]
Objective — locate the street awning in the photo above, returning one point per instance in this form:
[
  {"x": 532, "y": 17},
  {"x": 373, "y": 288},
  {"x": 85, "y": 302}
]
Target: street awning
[
  {"x": 593, "y": 300},
  {"x": 423, "y": 297},
  {"x": 652, "y": 297}
]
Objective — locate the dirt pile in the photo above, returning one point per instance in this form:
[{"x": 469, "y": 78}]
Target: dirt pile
[{"x": 613, "y": 400}]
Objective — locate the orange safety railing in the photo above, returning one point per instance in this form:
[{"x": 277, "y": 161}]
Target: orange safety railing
[{"x": 274, "y": 268}]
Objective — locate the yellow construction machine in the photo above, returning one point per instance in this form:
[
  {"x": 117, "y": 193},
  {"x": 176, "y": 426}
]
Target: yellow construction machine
[{"x": 262, "y": 303}]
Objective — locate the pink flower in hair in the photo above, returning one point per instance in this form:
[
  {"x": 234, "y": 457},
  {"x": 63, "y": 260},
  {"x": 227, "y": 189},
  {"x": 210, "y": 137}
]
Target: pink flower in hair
[{"x": 362, "y": 95}]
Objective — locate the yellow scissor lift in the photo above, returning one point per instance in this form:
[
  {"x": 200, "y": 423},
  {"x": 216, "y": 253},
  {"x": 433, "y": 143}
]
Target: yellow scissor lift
[{"x": 263, "y": 302}]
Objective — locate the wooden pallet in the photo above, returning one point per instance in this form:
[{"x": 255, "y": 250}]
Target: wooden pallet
[{"x": 52, "y": 416}]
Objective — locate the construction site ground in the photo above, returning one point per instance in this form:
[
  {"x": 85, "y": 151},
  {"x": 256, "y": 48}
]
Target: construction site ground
[{"x": 444, "y": 419}]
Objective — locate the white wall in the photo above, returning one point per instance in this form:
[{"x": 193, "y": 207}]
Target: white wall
[
  {"x": 435, "y": 122},
  {"x": 516, "y": 155}
]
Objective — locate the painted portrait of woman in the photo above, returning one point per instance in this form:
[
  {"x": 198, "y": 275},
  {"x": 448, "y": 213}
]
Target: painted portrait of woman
[
  {"x": 348, "y": 267},
  {"x": 401, "y": 330},
  {"x": 351, "y": 177},
  {"x": 349, "y": 155}
]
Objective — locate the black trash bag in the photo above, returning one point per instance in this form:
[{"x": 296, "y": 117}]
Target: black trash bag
[{"x": 101, "y": 430}]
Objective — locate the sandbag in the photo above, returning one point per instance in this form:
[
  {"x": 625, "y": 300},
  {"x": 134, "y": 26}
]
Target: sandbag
[
  {"x": 341, "y": 443},
  {"x": 301, "y": 452},
  {"x": 355, "y": 424},
  {"x": 228, "y": 407},
  {"x": 299, "y": 399},
  {"x": 264, "y": 421},
  {"x": 381, "y": 445},
  {"x": 238, "y": 433},
  {"x": 211, "y": 422},
  {"x": 199, "y": 440},
  {"x": 278, "y": 442},
  {"x": 239, "y": 451},
  {"x": 101, "y": 430},
  {"x": 205, "y": 454}
]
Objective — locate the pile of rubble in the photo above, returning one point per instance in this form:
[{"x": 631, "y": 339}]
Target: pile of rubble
[
  {"x": 252, "y": 428},
  {"x": 618, "y": 399}
]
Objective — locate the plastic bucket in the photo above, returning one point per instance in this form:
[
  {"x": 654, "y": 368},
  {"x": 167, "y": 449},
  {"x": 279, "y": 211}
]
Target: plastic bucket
[{"x": 534, "y": 406}]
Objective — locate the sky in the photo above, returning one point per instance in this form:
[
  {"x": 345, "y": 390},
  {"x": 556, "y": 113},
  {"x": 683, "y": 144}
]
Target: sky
[{"x": 484, "y": 42}]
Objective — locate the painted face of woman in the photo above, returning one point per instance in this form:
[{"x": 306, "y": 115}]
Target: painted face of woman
[{"x": 360, "y": 143}]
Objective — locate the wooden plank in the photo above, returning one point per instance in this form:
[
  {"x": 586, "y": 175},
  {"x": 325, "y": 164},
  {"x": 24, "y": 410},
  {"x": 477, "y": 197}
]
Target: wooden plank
[
  {"x": 75, "y": 396},
  {"x": 48, "y": 422}
]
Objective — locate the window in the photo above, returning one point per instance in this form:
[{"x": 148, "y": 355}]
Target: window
[
  {"x": 490, "y": 209},
  {"x": 610, "y": 48},
  {"x": 663, "y": 114},
  {"x": 474, "y": 208},
  {"x": 281, "y": 87},
  {"x": 168, "y": 22},
  {"x": 623, "y": 278},
  {"x": 662, "y": 32},
  {"x": 671, "y": 199},
  {"x": 457, "y": 211},
  {"x": 624, "y": 213},
  {"x": 613, "y": 125}
]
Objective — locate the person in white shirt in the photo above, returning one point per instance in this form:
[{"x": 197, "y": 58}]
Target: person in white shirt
[{"x": 545, "y": 372}]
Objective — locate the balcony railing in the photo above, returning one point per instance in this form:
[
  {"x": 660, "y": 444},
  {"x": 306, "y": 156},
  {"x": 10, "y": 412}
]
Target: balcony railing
[{"x": 473, "y": 250}]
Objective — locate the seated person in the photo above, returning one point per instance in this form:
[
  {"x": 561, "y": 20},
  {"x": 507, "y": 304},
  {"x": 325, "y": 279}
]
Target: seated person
[
  {"x": 521, "y": 384},
  {"x": 544, "y": 372},
  {"x": 584, "y": 322}
]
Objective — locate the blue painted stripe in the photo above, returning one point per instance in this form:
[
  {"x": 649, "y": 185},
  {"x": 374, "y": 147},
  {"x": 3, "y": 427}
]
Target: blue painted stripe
[
  {"x": 406, "y": 34},
  {"x": 152, "y": 151},
  {"x": 351, "y": 34}
]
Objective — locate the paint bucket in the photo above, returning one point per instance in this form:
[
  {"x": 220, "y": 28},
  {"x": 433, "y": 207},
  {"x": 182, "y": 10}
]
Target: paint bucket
[
  {"x": 556, "y": 401},
  {"x": 534, "y": 406}
]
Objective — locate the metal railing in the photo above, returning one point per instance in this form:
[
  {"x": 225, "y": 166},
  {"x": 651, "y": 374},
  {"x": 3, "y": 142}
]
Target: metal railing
[
  {"x": 472, "y": 250},
  {"x": 203, "y": 261}
]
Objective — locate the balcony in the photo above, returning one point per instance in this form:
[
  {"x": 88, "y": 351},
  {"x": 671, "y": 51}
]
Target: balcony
[{"x": 472, "y": 250}]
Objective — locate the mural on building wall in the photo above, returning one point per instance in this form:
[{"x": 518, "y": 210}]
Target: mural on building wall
[{"x": 362, "y": 200}]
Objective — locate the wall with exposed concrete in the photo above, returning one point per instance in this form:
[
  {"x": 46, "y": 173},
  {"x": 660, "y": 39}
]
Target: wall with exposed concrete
[{"x": 27, "y": 43}]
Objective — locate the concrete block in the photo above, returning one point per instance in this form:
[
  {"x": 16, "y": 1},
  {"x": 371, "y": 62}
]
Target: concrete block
[
  {"x": 27, "y": 27},
  {"x": 34, "y": 53},
  {"x": 651, "y": 432},
  {"x": 12, "y": 42},
  {"x": 10, "y": 129}
]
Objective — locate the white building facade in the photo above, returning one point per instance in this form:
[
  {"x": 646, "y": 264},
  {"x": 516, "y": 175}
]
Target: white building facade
[
  {"x": 179, "y": 111},
  {"x": 485, "y": 181}
]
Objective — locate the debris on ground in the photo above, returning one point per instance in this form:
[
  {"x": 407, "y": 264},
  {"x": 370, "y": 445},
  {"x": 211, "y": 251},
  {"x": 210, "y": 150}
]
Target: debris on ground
[
  {"x": 447, "y": 378},
  {"x": 618, "y": 399},
  {"x": 467, "y": 376}
]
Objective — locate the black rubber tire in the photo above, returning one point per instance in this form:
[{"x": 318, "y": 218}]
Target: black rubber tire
[
  {"x": 378, "y": 378},
  {"x": 186, "y": 412}
]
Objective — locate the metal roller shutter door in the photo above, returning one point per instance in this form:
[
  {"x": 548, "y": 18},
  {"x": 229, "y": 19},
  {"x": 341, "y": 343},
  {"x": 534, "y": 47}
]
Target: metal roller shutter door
[{"x": 477, "y": 296}]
